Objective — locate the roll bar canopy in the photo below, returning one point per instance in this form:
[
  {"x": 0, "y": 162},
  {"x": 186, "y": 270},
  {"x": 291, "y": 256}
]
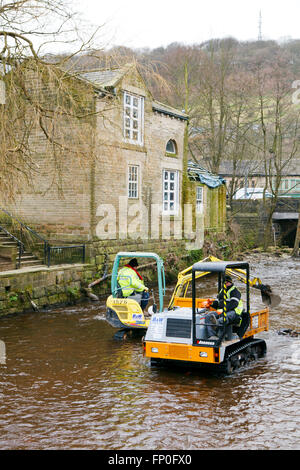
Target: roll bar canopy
[
  {"x": 219, "y": 267},
  {"x": 140, "y": 254}
]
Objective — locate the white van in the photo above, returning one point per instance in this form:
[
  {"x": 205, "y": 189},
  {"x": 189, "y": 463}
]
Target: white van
[{"x": 251, "y": 193}]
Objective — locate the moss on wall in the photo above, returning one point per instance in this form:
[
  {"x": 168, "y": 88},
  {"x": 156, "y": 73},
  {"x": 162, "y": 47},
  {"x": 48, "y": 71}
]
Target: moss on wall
[
  {"x": 39, "y": 288},
  {"x": 214, "y": 205}
]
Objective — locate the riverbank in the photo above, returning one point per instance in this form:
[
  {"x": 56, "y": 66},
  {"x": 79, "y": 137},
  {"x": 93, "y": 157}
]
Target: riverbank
[
  {"x": 39, "y": 288},
  {"x": 42, "y": 288},
  {"x": 272, "y": 252}
]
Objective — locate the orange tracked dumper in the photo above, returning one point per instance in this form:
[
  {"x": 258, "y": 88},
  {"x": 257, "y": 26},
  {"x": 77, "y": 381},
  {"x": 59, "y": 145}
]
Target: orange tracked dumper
[{"x": 177, "y": 336}]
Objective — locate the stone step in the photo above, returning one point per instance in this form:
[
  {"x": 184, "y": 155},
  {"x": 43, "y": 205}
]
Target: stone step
[
  {"x": 27, "y": 259},
  {"x": 28, "y": 256},
  {"x": 3, "y": 234},
  {"x": 30, "y": 262}
]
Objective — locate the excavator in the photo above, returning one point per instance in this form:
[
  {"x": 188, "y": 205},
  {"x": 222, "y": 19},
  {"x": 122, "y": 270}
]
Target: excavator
[
  {"x": 126, "y": 314},
  {"x": 184, "y": 279},
  {"x": 178, "y": 336}
]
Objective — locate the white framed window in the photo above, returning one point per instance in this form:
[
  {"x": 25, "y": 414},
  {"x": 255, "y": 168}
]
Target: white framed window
[
  {"x": 133, "y": 182},
  {"x": 170, "y": 192},
  {"x": 199, "y": 199},
  {"x": 133, "y": 118}
]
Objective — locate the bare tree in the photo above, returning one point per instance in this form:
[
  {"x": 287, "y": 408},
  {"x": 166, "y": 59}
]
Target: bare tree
[
  {"x": 240, "y": 151},
  {"x": 213, "y": 105},
  {"x": 279, "y": 126},
  {"x": 31, "y": 27},
  {"x": 30, "y": 107},
  {"x": 296, "y": 249}
]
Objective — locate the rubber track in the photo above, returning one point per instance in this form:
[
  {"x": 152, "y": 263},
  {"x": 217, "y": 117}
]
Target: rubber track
[{"x": 240, "y": 348}]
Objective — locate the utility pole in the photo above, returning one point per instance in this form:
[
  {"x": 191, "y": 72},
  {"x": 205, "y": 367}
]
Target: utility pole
[{"x": 259, "y": 27}]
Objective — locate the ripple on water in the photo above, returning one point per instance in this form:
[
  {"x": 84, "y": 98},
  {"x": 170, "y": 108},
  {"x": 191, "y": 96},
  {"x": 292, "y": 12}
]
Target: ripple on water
[{"x": 67, "y": 384}]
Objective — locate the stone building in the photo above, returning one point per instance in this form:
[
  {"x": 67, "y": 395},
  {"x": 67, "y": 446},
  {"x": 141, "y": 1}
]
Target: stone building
[{"x": 115, "y": 178}]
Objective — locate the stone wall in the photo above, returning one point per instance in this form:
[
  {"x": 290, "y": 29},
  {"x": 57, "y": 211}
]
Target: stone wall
[
  {"x": 28, "y": 289},
  {"x": 103, "y": 252},
  {"x": 41, "y": 288},
  {"x": 251, "y": 218}
]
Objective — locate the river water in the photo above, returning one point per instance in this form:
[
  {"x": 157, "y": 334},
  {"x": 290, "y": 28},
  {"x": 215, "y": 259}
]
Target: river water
[{"x": 66, "y": 383}]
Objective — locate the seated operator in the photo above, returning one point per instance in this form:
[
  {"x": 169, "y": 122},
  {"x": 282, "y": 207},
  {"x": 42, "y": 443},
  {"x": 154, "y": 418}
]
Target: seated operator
[
  {"x": 132, "y": 284},
  {"x": 234, "y": 309}
]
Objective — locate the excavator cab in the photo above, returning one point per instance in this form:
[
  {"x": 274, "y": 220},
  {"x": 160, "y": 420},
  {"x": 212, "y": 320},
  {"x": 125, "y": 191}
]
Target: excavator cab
[{"x": 126, "y": 313}]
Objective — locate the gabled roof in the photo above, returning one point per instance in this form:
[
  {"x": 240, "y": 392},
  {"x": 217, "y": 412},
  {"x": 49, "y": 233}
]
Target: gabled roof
[
  {"x": 108, "y": 79},
  {"x": 105, "y": 78},
  {"x": 166, "y": 109},
  {"x": 198, "y": 173}
]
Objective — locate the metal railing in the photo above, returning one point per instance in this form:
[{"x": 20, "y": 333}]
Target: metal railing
[
  {"x": 68, "y": 254},
  {"x": 25, "y": 236}
]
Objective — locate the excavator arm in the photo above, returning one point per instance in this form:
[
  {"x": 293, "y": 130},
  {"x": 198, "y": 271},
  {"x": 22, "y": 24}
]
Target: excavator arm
[
  {"x": 185, "y": 277},
  {"x": 267, "y": 295}
]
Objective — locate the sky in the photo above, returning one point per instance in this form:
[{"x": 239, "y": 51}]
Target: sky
[{"x": 156, "y": 23}]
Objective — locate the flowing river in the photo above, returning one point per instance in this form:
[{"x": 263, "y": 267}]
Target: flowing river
[{"x": 66, "y": 383}]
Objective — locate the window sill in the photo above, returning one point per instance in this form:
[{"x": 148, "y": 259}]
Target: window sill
[
  {"x": 170, "y": 214},
  {"x": 137, "y": 147},
  {"x": 171, "y": 155}
]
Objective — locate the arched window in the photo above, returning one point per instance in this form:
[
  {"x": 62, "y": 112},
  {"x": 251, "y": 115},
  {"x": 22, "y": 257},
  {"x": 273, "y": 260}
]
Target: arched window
[{"x": 171, "y": 147}]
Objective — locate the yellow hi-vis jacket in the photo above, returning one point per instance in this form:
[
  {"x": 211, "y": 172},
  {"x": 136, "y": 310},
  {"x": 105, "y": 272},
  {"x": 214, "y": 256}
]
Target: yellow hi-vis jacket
[
  {"x": 129, "y": 281},
  {"x": 239, "y": 309},
  {"x": 233, "y": 300}
]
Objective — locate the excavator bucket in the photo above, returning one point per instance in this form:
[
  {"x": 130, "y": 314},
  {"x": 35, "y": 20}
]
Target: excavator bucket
[{"x": 267, "y": 295}]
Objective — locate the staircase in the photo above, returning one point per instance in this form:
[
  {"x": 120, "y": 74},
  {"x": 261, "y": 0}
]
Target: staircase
[
  {"x": 15, "y": 247},
  {"x": 26, "y": 258}
]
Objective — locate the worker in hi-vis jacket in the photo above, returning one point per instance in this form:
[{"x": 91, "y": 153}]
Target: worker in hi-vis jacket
[{"x": 132, "y": 284}]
